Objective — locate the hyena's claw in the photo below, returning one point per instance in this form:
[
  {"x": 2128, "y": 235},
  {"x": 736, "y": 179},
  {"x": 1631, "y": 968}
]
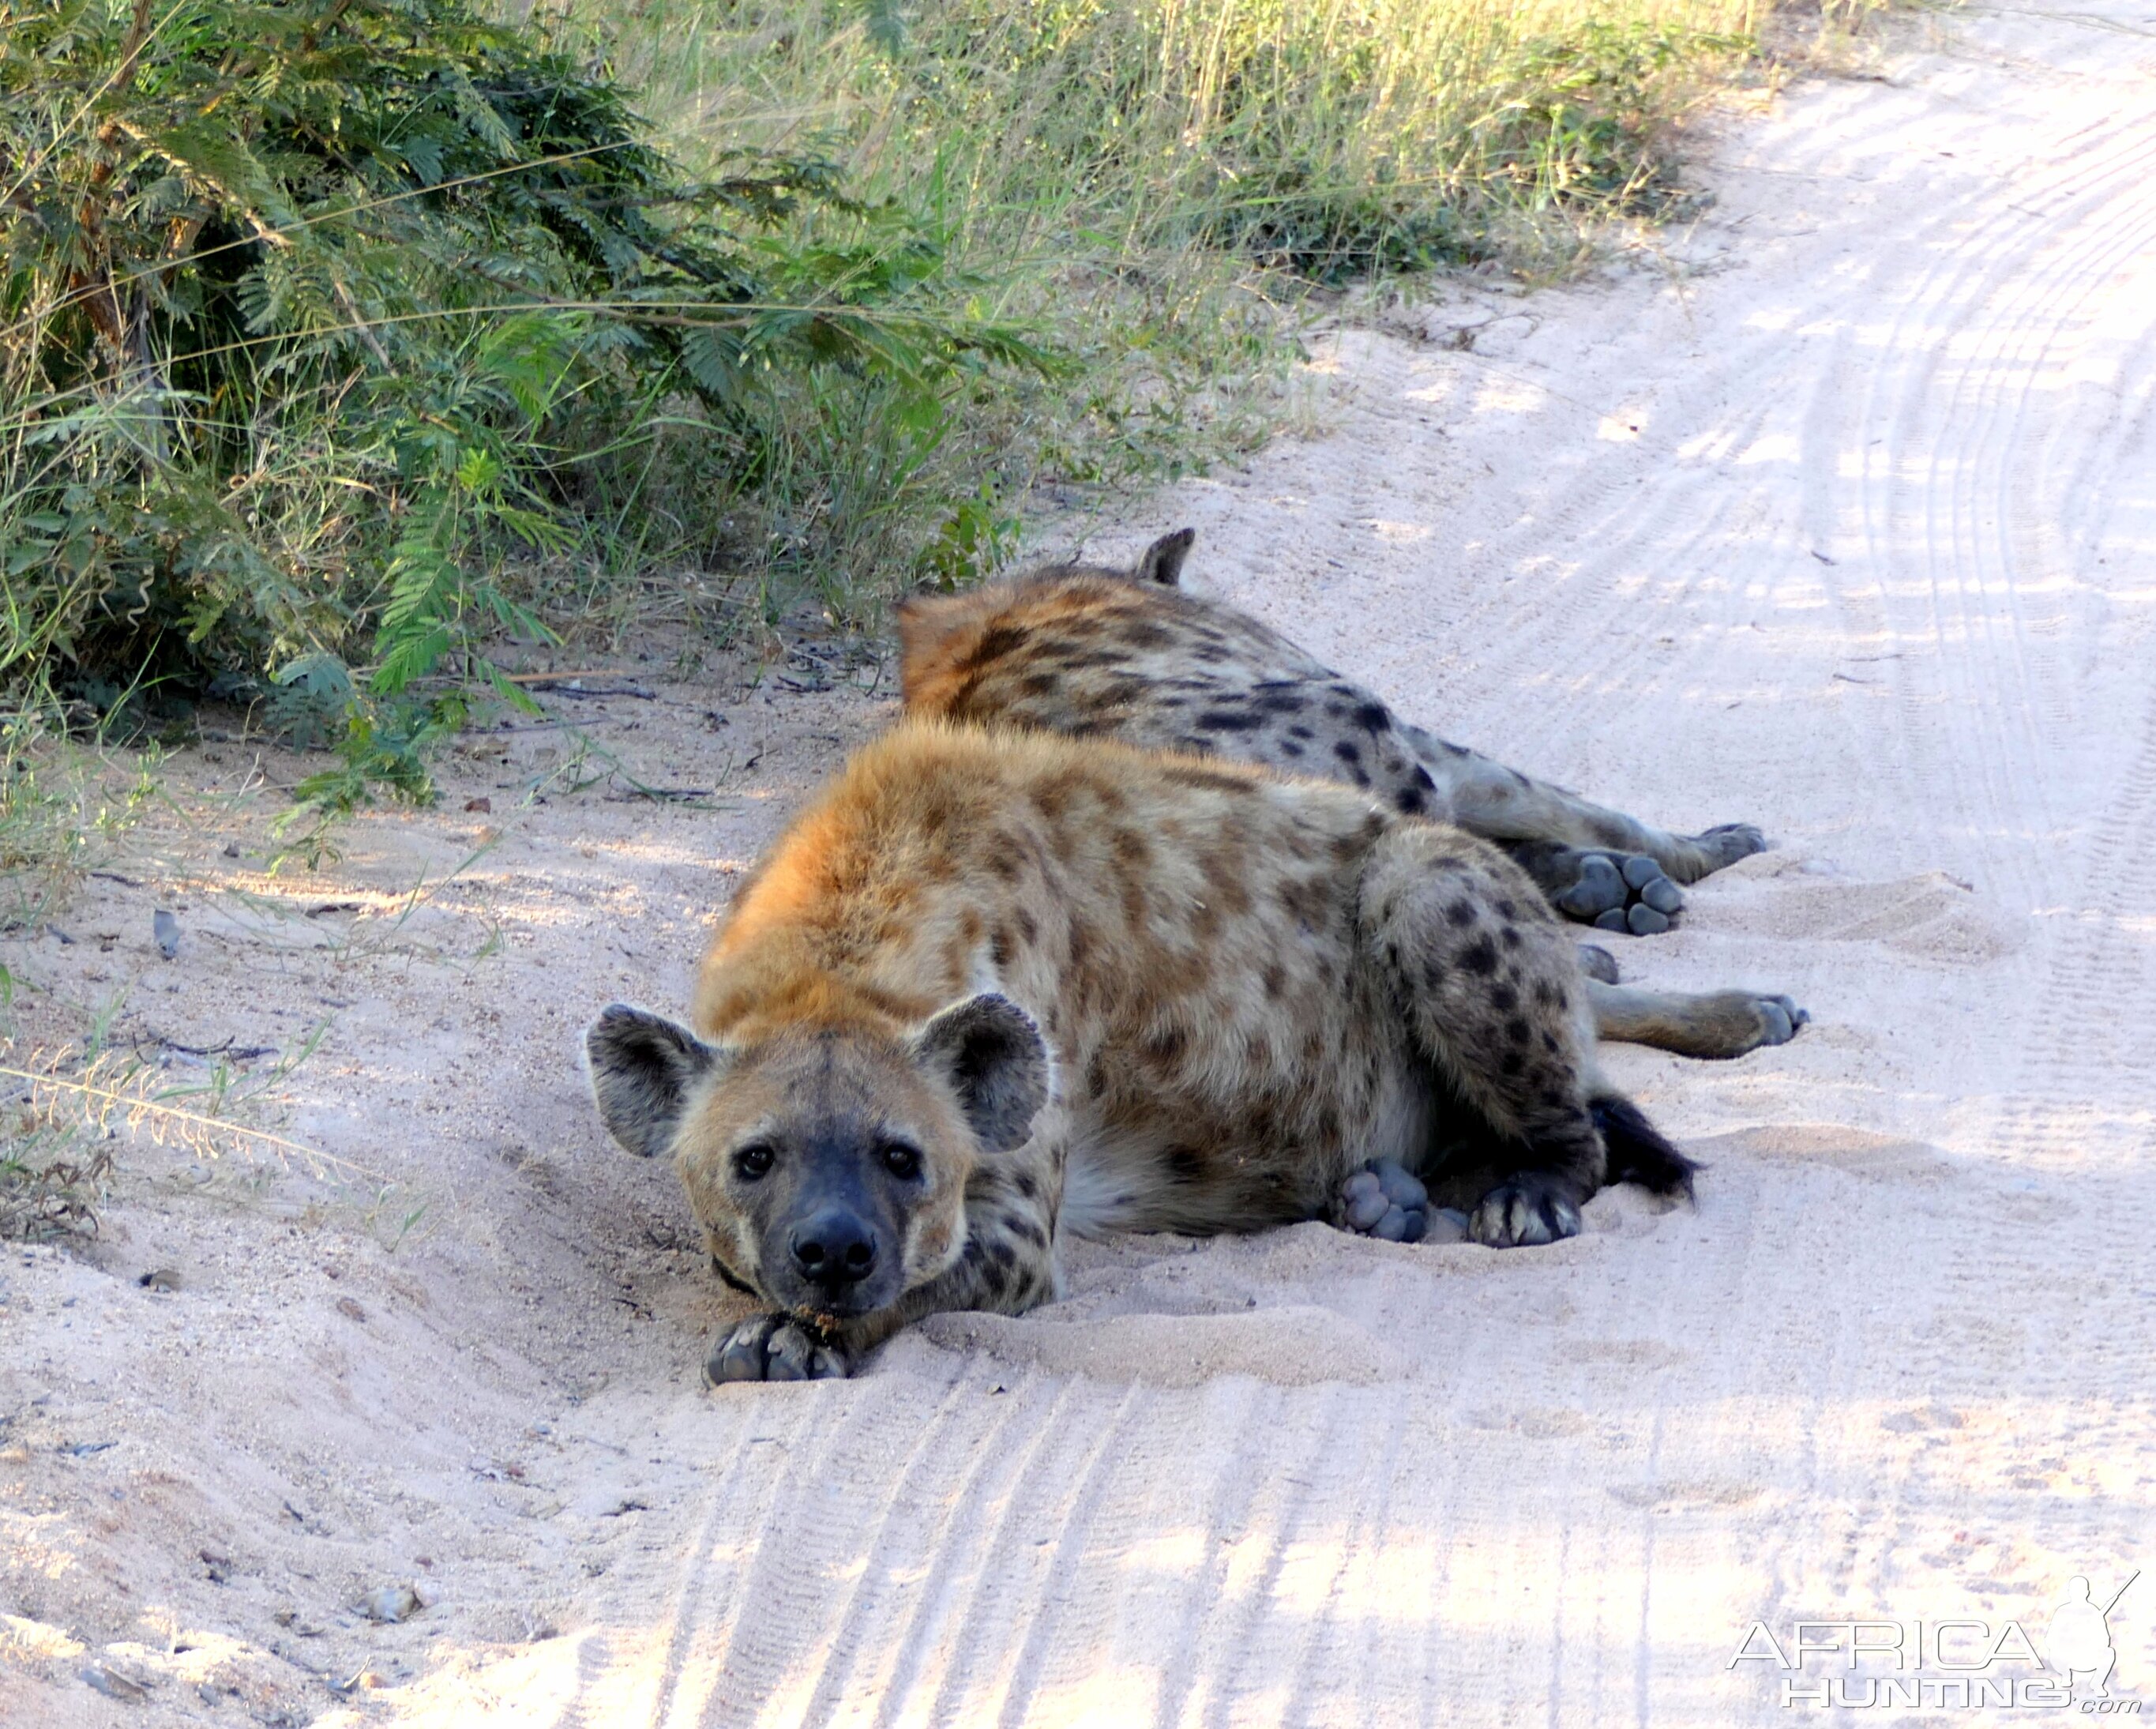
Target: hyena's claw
[
  {"x": 772, "y": 1348},
  {"x": 1385, "y": 1200},
  {"x": 1525, "y": 1212}
]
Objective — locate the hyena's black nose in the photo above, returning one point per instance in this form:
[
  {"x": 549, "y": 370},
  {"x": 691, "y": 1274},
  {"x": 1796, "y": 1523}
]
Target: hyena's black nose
[{"x": 834, "y": 1248}]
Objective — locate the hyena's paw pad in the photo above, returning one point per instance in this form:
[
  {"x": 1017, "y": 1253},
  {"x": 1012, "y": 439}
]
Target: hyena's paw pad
[
  {"x": 772, "y": 1348},
  {"x": 1523, "y": 1213},
  {"x": 1385, "y": 1200},
  {"x": 1622, "y": 891}
]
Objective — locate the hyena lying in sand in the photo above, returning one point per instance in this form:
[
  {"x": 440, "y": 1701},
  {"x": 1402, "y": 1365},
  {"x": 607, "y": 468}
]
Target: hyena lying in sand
[
  {"x": 996, "y": 989},
  {"x": 1094, "y": 652}
]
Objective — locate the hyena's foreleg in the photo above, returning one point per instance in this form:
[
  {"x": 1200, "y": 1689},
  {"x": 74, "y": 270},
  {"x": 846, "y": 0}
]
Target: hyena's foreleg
[{"x": 1693, "y": 1023}]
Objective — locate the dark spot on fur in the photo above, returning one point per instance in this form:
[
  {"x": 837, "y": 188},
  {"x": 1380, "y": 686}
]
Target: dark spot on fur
[
  {"x": 1204, "y": 780},
  {"x": 1505, "y": 908},
  {"x": 1004, "y": 858},
  {"x": 1002, "y": 1253},
  {"x": 1039, "y": 684},
  {"x": 1184, "y": 1164},
  {"x": 1220, "y": 719},
  {"x": 999, "y": 948},
  {"x": 1028, "y": 926},
  {"x": 1461, "y": 915},
  {"x": 997, "y": 641},
  {"x": 1479, "y": 956},
  {"x": 1275, "y": 981},
  {"x": 1516, "y": 1030},
  {"x": 1289, "y": 747},
  {"x": 1550, "y": 1043},
  {"x": 1511, "y": 937},
  {"x": 1504, "y": 1000},
  {"x": 1167, "y": 1046},
  {"x": 1025, "y": 1185},
  {"x": 1301, "y": 732},
  {"x": 1422, "y": 779},
  {"x": 1348, "y": 751},
  {"x": 1411, "y": 801},
  {"x": 1372, "y": 717},
  {"x": 1512, "y": 1064}
]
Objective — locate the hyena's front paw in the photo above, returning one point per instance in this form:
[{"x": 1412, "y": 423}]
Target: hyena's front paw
[
  {"x": 1775, "y": 1019},
  {"x": 772, "y": 1348},
  {"x": 1385, "y": 1200},
  {"x": 1525, "y": 1211},
  {"x": 1725, "y": 844},
  {"x": 1621, "y": 891}
]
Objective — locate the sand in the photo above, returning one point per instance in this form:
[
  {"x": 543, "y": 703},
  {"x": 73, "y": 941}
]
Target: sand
[{"x": 1840, "y": 515}]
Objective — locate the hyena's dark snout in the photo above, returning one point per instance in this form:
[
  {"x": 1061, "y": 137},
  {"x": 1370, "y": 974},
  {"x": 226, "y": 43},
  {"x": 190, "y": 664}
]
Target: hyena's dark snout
[{"x": 835, "y": 1249}]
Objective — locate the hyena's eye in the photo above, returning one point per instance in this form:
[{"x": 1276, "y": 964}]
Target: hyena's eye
[
  {"x": 752, "y": 1161},
  {"x": 901, "y": 1160}
]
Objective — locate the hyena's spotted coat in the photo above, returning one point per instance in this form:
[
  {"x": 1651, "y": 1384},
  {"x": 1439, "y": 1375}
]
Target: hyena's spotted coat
[
  {"x": 1094, "y": 652},
  {"x": 993, "y": 990}
]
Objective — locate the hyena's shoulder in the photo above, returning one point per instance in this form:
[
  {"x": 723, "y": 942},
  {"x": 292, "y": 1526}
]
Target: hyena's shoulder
[
  {"x": 1091, "y": 653},
  {"x": 1086, "y": 650}
]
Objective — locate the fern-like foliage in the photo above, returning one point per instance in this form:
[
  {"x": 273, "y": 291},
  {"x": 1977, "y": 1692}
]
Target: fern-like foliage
[{"x": 297, "y": 298}]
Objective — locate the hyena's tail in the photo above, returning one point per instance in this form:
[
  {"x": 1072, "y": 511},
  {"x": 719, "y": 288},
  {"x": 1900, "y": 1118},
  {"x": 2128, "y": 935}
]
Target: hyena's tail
[{"x": 1638, "y": 1153}]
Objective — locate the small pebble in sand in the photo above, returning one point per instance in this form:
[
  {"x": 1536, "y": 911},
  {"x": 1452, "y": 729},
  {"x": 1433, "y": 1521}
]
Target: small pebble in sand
[
  {"x": 112, "y": 1683},
  {"x": 391, "y": 1602},
  {"x": 166, "y": 929}
]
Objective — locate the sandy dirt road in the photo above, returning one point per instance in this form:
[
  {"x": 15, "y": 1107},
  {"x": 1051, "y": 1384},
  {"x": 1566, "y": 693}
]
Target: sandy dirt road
[{"x": 1845, "y": 523}]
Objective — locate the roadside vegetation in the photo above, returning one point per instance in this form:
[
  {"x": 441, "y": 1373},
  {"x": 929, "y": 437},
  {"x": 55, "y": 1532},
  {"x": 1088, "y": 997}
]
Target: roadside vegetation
[{"x": 350, "y": 349}]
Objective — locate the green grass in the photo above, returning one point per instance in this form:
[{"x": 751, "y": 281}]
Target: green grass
[
  {"x": 348, "y": 345},
  {"x": 1158, "y": 186}
]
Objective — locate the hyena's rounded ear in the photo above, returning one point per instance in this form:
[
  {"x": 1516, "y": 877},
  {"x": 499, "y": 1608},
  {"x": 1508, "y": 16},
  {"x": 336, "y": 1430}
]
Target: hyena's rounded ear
[
  {"x": 642, "y": 1067},
  {"x": 1163, "y": 562},
  {"x": 995, "y": 1059}
]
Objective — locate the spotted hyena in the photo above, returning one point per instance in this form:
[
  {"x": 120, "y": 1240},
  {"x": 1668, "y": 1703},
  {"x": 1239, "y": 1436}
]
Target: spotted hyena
[
  {"x": 1097, "y": 652},
  {"x": 996, "y": 989}
]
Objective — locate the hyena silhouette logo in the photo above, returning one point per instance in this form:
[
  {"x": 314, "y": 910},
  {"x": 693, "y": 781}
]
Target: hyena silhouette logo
[{"x": 2079, "y": 1642}]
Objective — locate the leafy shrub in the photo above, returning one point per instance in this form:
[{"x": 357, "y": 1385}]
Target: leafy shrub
[{"x": 317, "y": 313}]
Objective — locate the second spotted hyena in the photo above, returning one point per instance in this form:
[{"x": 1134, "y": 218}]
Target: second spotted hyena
[
  {"x": 1093, "y": 652},
  {"x": 996, "y": 989}
]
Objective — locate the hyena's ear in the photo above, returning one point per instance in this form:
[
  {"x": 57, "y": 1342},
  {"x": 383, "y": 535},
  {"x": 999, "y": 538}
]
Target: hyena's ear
[
  {"x": 1163, "y": 562},
  {"x": 995, "y": 1059},
  {"x": 642, "y": 1068}
]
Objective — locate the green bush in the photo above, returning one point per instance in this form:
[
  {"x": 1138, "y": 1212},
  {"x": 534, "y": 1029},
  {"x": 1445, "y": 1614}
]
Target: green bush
[{"x": 318, "y": 316}]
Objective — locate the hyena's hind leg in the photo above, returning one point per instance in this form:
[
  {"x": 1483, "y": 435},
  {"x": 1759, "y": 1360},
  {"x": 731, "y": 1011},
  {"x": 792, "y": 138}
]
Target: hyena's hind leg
[
  {"x": 1491, "y": 987},
  {"x": 1595, "y": 864}
]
